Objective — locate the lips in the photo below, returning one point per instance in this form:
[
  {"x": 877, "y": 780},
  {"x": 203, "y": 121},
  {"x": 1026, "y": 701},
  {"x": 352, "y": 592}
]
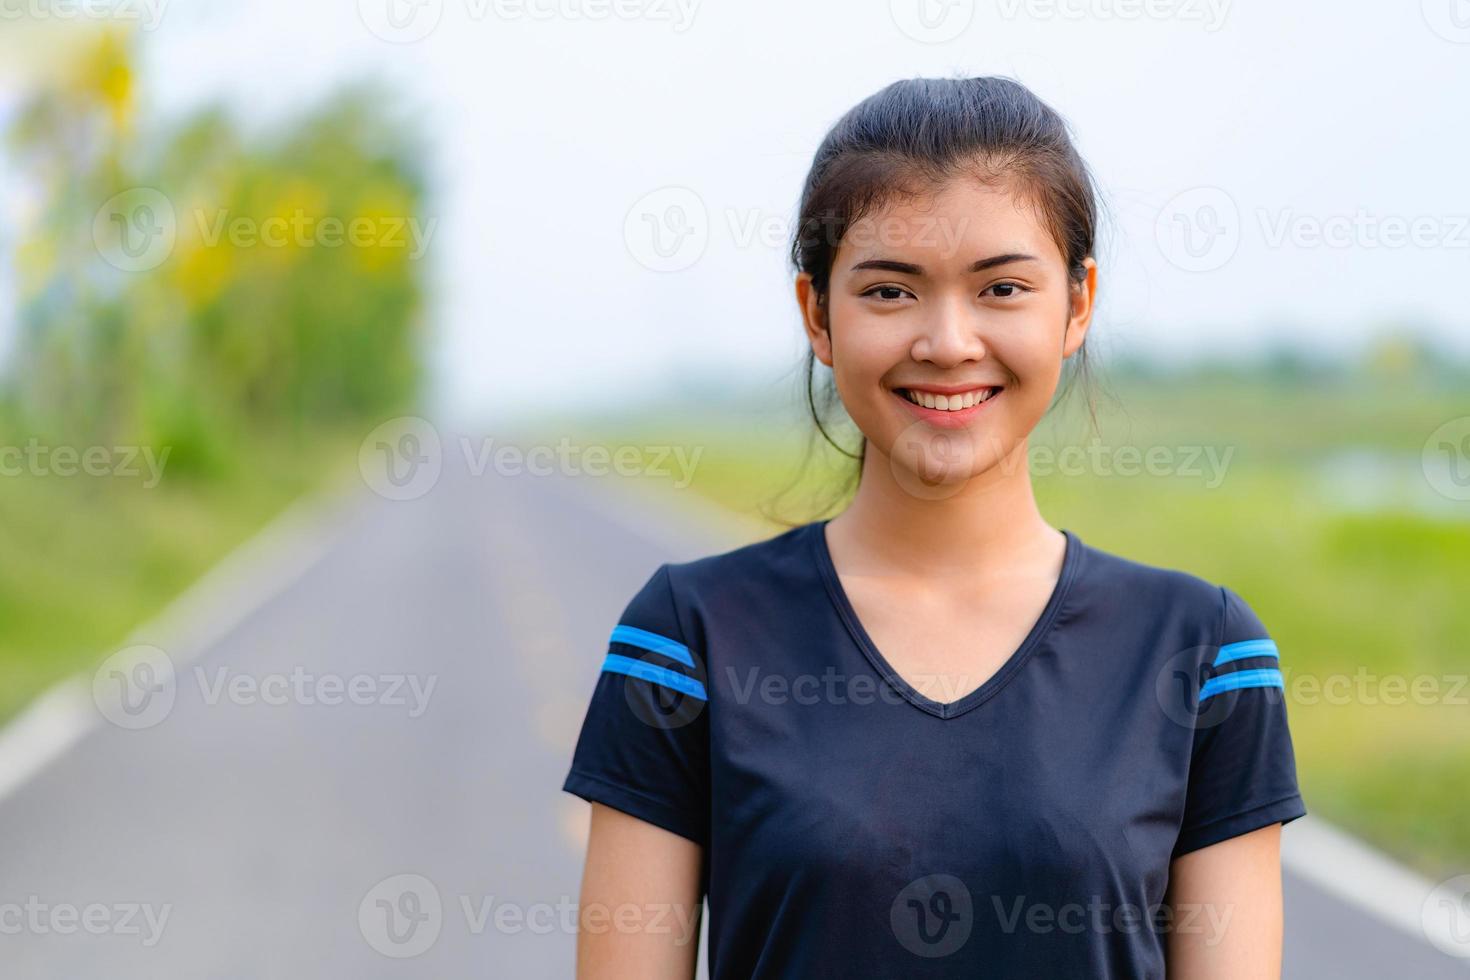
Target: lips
[
  {"x": 948, "y": 418},
  {"x": 950, "y": 399}
]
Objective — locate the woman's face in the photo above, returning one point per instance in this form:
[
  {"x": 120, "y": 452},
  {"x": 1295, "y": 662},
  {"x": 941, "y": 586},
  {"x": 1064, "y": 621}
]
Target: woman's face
[{"x": 960, "y": 300}]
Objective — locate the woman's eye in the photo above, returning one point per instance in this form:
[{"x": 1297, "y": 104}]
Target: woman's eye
[
  {"x": 888, "y": 293},
  {"x": 1006, "y": 290}
]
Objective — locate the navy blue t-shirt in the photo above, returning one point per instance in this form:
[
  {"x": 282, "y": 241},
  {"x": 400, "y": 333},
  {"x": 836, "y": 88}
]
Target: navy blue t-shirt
[{"x": 854, "y": 827}]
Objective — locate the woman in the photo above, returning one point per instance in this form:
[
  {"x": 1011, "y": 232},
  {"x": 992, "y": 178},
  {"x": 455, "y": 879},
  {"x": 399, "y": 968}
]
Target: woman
[{"x": 935, "y": 736}]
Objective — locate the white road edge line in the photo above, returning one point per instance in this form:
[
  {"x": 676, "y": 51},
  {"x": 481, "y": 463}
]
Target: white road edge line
[
  {"x": 1311, "y": 848},
  {"x": 259, "y": 569},
  {"x": 1354, "y": 872}
]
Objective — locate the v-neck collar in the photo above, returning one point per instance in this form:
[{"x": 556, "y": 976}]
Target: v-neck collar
[{"x": 1071, "y": 561}]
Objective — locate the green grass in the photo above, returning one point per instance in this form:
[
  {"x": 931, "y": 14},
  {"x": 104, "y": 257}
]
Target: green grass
[
  {"x": 1351, "y": 595},
  {"x": 88, "y": 558}
]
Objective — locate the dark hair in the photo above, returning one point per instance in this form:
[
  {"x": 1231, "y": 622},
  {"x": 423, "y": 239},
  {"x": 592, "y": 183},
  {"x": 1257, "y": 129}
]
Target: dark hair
[{"x": 916, "y": 134}]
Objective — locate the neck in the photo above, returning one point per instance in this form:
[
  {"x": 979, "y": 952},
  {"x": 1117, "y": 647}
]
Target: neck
[{"x": 980, "y": 526}]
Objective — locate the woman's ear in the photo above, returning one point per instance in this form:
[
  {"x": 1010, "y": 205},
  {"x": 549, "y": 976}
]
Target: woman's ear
[
  {"x": 814, "y": 318},
  {"x": 1084, "y": 297}
]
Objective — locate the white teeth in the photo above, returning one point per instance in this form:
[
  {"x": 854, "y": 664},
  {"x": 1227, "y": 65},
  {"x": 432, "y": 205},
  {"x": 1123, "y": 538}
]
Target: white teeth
[{"x": 950, "y": 403}]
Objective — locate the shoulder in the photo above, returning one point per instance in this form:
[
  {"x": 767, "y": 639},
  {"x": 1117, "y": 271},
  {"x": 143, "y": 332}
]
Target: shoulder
[
  {"x": 680, "y": 600},
  {"x": 772, "y": 563},
  {"x": 1169, "y": 594},
  {"x": 1162, "y": 583}
]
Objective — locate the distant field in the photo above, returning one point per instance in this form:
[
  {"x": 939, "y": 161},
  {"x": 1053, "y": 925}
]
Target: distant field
[{"x": 1368, "y": 588}]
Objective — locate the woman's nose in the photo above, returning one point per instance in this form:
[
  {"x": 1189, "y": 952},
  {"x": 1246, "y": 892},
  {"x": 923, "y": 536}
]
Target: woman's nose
[{"x": 951, "y": 334}]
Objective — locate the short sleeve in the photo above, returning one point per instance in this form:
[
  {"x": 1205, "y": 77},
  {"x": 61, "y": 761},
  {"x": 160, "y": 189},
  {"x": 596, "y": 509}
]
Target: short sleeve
[
  {"x": 1242, "y": 773},
  {"x": 644, "y": 744}
]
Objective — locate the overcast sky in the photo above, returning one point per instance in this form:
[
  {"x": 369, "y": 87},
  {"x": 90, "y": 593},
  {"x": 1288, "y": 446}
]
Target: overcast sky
[{"x": 1267, "y": 166}]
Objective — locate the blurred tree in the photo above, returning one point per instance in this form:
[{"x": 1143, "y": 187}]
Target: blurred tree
[{"x": 285, "y": 285}]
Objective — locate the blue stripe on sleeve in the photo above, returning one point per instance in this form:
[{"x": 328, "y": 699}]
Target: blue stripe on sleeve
[
  {"x": 1264, "y": 677},
  {"x": 633, "y": 636},
  {"x": 1246, "y": 648},
  {"x": 654, "y": 674}
]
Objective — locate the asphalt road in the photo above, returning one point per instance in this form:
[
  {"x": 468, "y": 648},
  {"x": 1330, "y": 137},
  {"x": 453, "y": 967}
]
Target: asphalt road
[{"x": 264, "y": 825}]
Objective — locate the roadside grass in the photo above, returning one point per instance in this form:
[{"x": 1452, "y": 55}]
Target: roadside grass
[{"x": 89, "y": 558}]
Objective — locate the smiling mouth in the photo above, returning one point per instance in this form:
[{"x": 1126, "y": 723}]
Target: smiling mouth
[{"x": 957, "y": 402}]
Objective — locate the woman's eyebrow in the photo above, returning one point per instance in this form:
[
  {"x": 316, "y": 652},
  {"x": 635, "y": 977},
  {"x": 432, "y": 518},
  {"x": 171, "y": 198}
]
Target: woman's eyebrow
[{"x": 909, "y": 268}]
